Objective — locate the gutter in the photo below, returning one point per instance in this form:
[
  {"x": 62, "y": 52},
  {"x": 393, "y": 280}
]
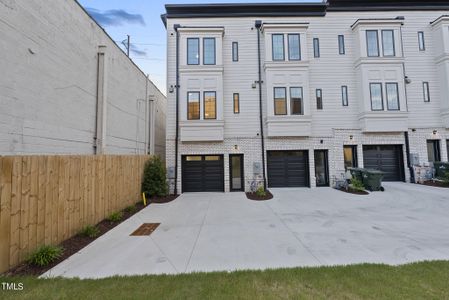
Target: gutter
[
  {"x": 409, "y": 163},
  {"x": 258, "y": 25},
  {"x": 176, "y": 27}
]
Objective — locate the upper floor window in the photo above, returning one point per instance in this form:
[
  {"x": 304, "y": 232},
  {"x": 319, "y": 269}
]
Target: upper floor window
[
  {"x": 377, "y": 101},
  {"x": 341, "y": 44},
  {"x": 278, "y": 46},
  {"x": 210, "y": 105},
  {"x": 209, "y": 51},
  {"x": 235, "y": 51},
  {"x": 280, "y": 101},
  {"x": 294, "y": 47},
  {"x": 319, "y": 99},
  {"x": 193, "y": 105},
  {"x": 372, "y": 43},
  {"x": 296, "y": 103},
  {"x": 426, "y": 91},
  {"x": 344, "y": 95},
  {"x": 421, "y": 41},
  {"x": 193, "y": 51},
  {"x": 316, "y": 47},
  {"x": 392, "y": 91},
  {"x": 236, "y": 101},
  {"x": 388, "y": 47}
]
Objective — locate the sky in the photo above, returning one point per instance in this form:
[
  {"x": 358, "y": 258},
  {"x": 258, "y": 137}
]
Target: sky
[{"x": 141, "y": 20}]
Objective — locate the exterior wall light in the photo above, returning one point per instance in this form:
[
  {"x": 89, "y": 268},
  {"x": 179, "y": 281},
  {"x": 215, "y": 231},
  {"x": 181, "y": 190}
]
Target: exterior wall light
[{"x": 171, "y": 89}]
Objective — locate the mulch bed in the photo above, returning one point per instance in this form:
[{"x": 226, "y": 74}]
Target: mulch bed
[
  {"x": 165, "y": 199},
  {"x": 72, "y": 246},
  {"x": 253, "y": 196},
  {"x": 353, "y": 191},
  {"x": 436, "y": 184}
]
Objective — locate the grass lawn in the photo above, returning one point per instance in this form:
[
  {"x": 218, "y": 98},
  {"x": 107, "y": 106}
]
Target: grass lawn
[{"x": 427, "y": 280}]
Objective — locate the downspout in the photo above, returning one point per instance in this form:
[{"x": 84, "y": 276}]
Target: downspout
[
  {"x": 176, "y": 27},
  {"x": 409, "y": 163},
  {"x": 258, "y": 25},
  {"x": 147, "y": 117}
]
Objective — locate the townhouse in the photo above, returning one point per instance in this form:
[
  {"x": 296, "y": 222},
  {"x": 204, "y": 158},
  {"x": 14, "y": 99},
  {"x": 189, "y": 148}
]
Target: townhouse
[{"x": 291, "y": 94}]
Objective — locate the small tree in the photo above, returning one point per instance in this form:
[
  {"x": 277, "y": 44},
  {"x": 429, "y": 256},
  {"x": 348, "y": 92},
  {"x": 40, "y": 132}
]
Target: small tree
[{"x": 154, "y": 180}]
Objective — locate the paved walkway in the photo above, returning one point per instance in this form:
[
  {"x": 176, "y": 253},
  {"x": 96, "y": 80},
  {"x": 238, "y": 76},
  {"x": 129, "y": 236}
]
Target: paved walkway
[{"x": 300, "y": 227}]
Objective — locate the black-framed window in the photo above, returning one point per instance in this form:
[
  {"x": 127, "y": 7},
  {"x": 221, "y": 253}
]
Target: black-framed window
[
  {"x": 421, "y": 41},
  {"x": 372, "y": 43},
  {"x": 296, "y": 102},
  {"x": 280, "y": 101},
  {"x": 193, "y": 51},
  {"x": 209, "y": 56},
  {"x": 294, "y": 46},
  {"x": 193, "y": 105},
  {"x": 426, "y": 91},
  {"x": 316, "y": 47},
  {"x": 341, "y": 44},
  {"x": 319, "y": 99},
  {"x": 344, "y": 95},
  {"x": 235, "y": 51},
  {"x": 433, "y": 150},
  {"x": 236, "y": 102},
  {"x": 277, "y": 42},
  {"x": 350, "y": 156},
  {"x": 377, "y": 99},
  {"x": 392, "y": 93},
  {"x": 388, "y": 46},
  {"x": 210, "y": 105}
]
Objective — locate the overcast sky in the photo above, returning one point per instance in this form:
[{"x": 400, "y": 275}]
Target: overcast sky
[{"x": 141, "y": 20}]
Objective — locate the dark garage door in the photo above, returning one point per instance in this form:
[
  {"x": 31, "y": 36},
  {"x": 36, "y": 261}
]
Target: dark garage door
[
  {"x": 387, "y": 158},
  {"x": 202, "y": 173},
  {"x": 288, "y": 168}
]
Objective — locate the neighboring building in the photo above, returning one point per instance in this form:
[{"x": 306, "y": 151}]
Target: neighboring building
[
  {"x": 67, "y": 88},
  {"x": 343, "y": 83}
]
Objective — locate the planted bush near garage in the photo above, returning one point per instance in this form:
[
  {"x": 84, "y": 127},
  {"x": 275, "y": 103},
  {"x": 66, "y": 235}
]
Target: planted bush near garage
[{"x": 154, "y": 181}]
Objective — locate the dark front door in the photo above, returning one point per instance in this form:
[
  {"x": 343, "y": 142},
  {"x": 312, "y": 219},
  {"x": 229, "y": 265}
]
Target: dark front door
[
  {"x": 321, "y": 168},
  {"x": 288, "y": 168},
  {"x": 236, "y": 172},
  {"x": 386, "y": 158},
  {"x": 202, "y": 173}
]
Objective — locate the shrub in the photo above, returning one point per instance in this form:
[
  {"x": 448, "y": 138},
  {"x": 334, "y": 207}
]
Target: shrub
[
  {"x": 357, "y": 184},
  {"x": 45, "y": 255},
  {"x": 260, "y": 192},
  {"x": 115, "y": 217},
  {"x": 446, "y": 178},
  {"x": 131, "y": 209},
  {"x": 154, "y": 181},
  {"x": 90, "y": 231}
]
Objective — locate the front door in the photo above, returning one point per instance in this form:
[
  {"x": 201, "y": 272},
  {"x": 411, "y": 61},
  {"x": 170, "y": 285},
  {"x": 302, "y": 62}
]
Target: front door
[
  {"x": 321, "y": 168},
  {"x": 236, "y": 172}
]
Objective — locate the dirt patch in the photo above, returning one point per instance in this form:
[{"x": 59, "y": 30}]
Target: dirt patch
[
  {"x": 165, "y": 199},
  {"x": 73, "y": 245},
  {"x": 353, "y": 191},
  {"x": 436, "y": 184},
  {"x": 253, "y": 196}
]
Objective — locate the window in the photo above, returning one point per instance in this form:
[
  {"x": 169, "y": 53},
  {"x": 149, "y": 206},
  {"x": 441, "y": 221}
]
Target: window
[
  {"x": 392, "y": 96},
  {"x": 344, "y": 95},
  {"x": 193, "y": 105},
  {"x": 426, "y": 91},
  {"x": 210, "y": 105},
  {"x": 278, "y": 46},
  {"x": 294, "y": 47},
  {"x": 421, "y": 41},
  {"x": 209, "y": 51},
  {"x": 433, "y": 150},
  {"x": 350, "y": 156},
  {"x": 372, "y": 43},
  {"x": 447, "y": 148},
  {"x": 280, "y": 101},
  {"x": 341, "y": 44},
  {"x": 319, "y": 99},
  {"x": 235, "y": 51},
  {"x": 388, "y": 43},
  {"x": 377, "y": 102},
  {"x": 193, "y": 51},
  {"x": 296, "y": 101},
  {"x": 236, "y": 100},
  {"x": 316, "y": 47}
]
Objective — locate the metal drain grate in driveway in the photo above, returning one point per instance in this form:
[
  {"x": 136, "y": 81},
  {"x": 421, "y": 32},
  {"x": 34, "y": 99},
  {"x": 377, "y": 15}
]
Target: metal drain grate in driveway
[{"x": 145, "y": 229}]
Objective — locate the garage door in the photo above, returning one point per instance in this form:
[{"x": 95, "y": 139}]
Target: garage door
[
  {"x": 202, "y": 173},
  {"x": 288, "y": 168},
  {"x": 387, "y": 158}
]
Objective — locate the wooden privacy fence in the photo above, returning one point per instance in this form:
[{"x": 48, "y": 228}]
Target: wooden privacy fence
[{"x": 47, "y": 199}]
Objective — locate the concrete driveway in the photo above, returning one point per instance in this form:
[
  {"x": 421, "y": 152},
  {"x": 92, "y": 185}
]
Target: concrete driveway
[{"x": 300, "y": 227}]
